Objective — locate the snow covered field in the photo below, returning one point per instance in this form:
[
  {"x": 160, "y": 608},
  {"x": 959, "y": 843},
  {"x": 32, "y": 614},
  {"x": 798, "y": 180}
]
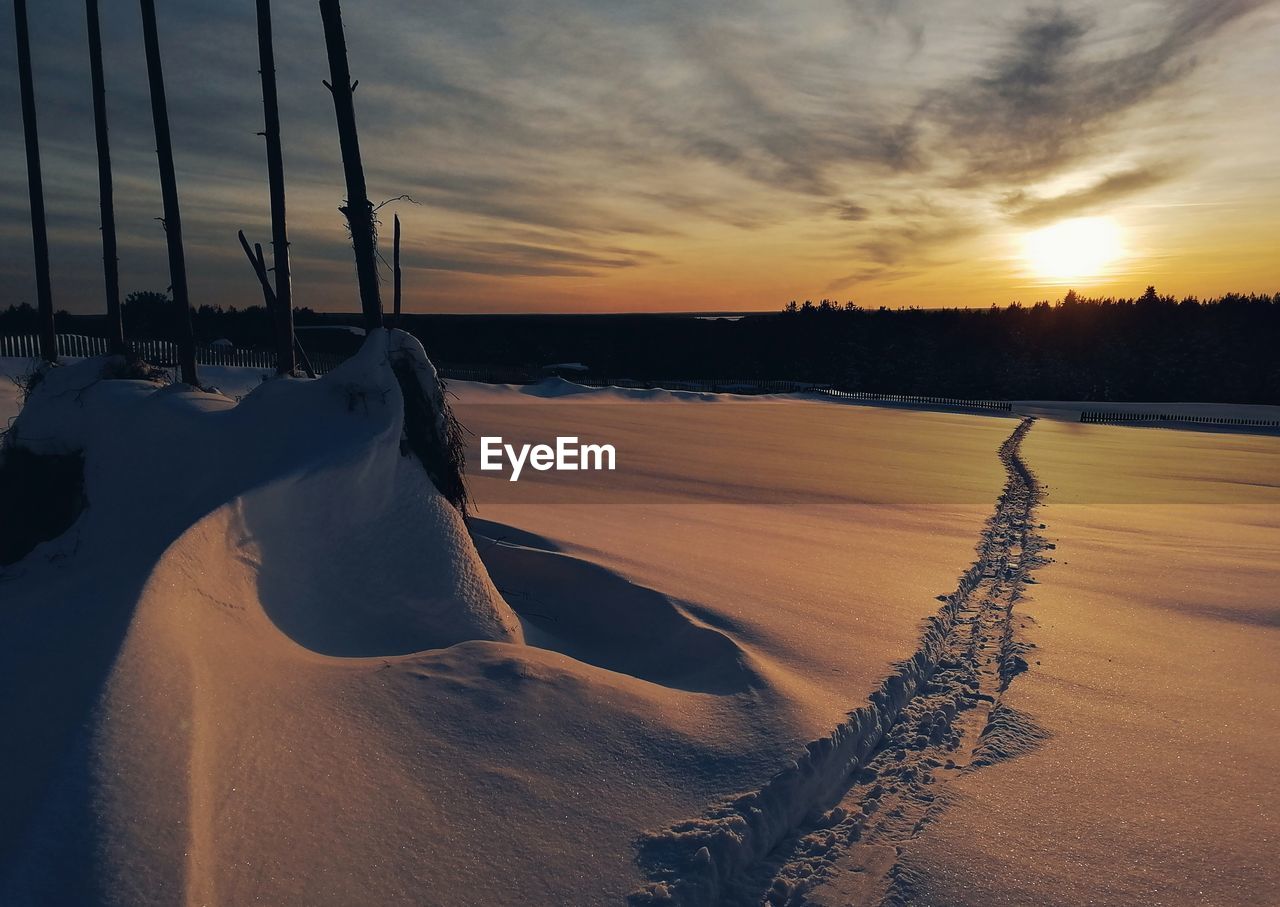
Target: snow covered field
[
  {"x": 239, "y": 691},
  {"x": 1158, "y": 632}
]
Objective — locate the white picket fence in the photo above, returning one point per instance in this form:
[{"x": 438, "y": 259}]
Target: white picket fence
[
  {"x": 23, "y": 346},
  {"x": 1103, "y": 417},
  {"x": 912, "y": 399},
  {"x": 158, "y": 352}
]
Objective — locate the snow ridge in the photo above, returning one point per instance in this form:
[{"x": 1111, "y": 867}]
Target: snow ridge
[{"x": 772, "y": 844}]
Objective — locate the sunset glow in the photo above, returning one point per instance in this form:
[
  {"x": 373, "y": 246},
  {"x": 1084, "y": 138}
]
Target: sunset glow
[
  {"x": 621, "y": 157},
  {"x": 653, "y": 454},
  {"x": 1080, "y": 248}
]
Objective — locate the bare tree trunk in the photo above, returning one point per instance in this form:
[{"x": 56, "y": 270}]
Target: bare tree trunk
[
  {"x": 35, "y": 185},
  {"x": 184, "y": 336},
  {"x": 395, "y": 268},
  {"x": 307, "y": 368},
  {"x": 260, "y": 270},
  {"x": 285, "y": 362},
  {"x": 358, "y": 209},
  {"x": 110, "y": 262},
  {"x": 259, "y": 266}
]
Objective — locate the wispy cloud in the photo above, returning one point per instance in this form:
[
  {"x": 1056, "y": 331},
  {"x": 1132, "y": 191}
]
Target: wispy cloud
[
  {"x": 525, "y": 259},
  {"x": 593, "y": 139},
  {"x": 1060, "y": 83},
  {"x": 852, "y": 211},
  {"x": 1030, "y": 209}
]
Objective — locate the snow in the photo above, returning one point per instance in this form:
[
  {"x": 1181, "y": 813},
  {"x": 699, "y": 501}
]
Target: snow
[
  {"x": 281, "y": 715},
  {"x": 763, "y": 517},
  {"x": 269, "y": 663},
  {"x": 310, "y": 468},
  {"x": 280, "y": 529},
  {"x": 1068, "y": 410},
  {"x": 555, "y": 388},
  {"x": 70, "y": 405},
  {"x": 331, "y": 329},
  {"x": 1157, "y": 637}
]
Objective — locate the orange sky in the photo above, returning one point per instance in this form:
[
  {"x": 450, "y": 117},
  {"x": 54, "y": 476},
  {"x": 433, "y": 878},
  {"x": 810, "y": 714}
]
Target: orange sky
[{"x": 612, "y": 156}]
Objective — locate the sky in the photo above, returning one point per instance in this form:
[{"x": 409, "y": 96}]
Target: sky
[{"x": 723, "y": 155}]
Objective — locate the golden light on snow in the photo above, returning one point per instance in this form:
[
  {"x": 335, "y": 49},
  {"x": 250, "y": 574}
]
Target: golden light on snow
[{"x": 1078, "y": 248}]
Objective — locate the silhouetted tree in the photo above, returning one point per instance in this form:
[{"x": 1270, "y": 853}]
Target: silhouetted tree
[
  {"x": 106, "y": 201},
  {"x": 35, "y": 186},
  {"x": 358, "y": 209},
  {"x": 283, "y": 314},
  {"x": 169, "y": 192},
  {"x": 395, "y": 271},
  {"x": 149, "y": 314}
]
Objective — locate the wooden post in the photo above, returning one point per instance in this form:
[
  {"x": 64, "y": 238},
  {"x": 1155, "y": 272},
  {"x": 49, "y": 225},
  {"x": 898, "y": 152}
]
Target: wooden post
[
  {"x": 269, "y": 297},
  {"x": 285, "y": 361},
  {"x": 260, "y": 270},
  {"x": 110, "y": 262},
  {"x": 395, "y": 270},
  {"x": 35, "y": 185},
  {"x": 302, "y": 356},
  {"x": 185, "y": 338},
  {"x": 358, "y": 209}
]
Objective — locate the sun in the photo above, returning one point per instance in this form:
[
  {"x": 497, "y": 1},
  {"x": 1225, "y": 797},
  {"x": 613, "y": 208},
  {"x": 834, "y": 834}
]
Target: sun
[{"x": 1072, "y": 249}]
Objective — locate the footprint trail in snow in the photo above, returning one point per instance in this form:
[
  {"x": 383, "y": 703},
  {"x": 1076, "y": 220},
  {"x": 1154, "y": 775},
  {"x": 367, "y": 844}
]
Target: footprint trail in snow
[{"x": 828, "y": 831}]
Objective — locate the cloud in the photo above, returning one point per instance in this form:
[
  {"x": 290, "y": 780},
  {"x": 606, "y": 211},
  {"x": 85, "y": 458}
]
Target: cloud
[
  {"x": 1027, "y": 209},
  {"x": 909, "y": 242},
  {"x": 864, "y": 274},
  {"x": 1052, "y": 92},
  {"x": 908, "y": 17},
  {"x": 906, "y": 240},
  {"x": 524, "y": 259},
  {"x": 852, "y": 211},
  {"x": 555, "y": 139}
]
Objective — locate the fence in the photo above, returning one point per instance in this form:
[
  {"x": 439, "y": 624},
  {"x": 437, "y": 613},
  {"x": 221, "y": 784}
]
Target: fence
[
  {"x": 697, "y": 385},
  {"x": 487, "y": 375},
  {"x": 1113, "y": 418},
  {"x": 706, "y": 385},
  {"x": 719, "y": 386},
  {"x": 24, "y": 346},
  {"x": 1003, "y": 406},
  {"x": 163, "y": 353}
]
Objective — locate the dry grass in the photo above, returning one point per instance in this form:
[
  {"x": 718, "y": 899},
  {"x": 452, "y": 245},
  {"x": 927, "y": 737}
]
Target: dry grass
[{"x": 439, "y": 444}]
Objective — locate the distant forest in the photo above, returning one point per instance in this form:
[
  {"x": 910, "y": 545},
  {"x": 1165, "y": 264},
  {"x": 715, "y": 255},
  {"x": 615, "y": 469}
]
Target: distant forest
[{"x": 1154, "y": 347}]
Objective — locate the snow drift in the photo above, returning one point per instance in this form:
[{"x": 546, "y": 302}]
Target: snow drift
[
  {"x": 221, "y": 543},
  {"x": 352, "y": 548},
  {"x": 210, "y": 697},
  {"x": 267, "y": 665}
]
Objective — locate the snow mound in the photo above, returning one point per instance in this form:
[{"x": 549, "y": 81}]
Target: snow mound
[
  {"x": 267, "y": 665},
  {"x": 560, "y": 390},
  {"x": 556, "y": 387},
  {"x": 599, "y": 617},
  {"x": 353, "y": 549}
]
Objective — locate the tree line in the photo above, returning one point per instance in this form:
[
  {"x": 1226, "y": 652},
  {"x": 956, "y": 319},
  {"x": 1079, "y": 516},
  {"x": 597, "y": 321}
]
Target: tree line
[{"x": 1152, "y": 347}]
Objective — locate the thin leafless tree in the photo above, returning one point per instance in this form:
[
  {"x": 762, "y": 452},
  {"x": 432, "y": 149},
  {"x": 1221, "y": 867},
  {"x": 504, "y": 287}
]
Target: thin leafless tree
[
  {"x": 183, "y": 334},
  {"x": 110, "y": 261},
  {"x": 358, "y": 209},
  {"x": 35, "y": 185},
  {"x": 285, "y": 361},
  {"x": 395, "y": 270}
]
